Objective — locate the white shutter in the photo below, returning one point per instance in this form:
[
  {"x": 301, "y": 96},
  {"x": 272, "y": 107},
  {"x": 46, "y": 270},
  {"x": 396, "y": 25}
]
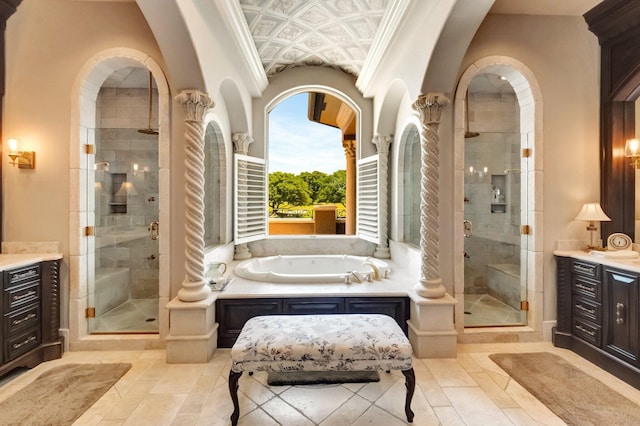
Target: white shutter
[
  {"x": 250, "y": 204},
  {"x": 368, "y": 190}
]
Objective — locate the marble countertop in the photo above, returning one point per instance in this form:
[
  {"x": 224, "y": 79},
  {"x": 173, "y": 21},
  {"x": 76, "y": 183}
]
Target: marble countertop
[
  {"x": 10, "y": 261},
  {"x": 399, "y": 284},
  {"x": 628, "y": 264}
]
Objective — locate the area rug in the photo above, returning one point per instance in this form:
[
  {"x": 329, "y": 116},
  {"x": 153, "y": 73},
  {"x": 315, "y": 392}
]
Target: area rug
[
  {"x": 573, "y": 395},
  {"x": 282, "y": 378},
  {"x": 61, "y": 395}
]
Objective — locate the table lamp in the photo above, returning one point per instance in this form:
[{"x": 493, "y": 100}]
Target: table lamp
[{"x": 592, "y": 213}]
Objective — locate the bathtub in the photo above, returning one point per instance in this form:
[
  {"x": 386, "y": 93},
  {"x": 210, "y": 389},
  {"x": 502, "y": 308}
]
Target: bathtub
[{"x": 304, "y": 269}]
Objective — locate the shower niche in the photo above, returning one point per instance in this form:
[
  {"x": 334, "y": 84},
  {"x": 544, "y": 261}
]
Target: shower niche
[
  {"x": 498, "y": 193},
  {"x": 118, "y": 203}
]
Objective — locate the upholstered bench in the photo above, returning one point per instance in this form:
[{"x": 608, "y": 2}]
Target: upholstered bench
[{"x": 321, "y": 343}]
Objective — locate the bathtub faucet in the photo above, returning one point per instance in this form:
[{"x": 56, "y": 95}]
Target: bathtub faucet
[
  {"x": 347, "y": 278},
  {"x": 376, "y": 270}
]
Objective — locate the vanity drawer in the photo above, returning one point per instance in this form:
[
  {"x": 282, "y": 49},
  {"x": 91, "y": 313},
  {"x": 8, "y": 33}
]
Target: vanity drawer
[
  {"x": 587, "y": 309},
  {"x": 22, "y": 319},
  {"x": 587, "y": 288},
  {"x": 22, "y": 295},
  {"x": 586, "y": 269},
  {"x": 587, "y": 331},
  {"x": 18, "y": 276},
  {"x": 21, "y": 343}
]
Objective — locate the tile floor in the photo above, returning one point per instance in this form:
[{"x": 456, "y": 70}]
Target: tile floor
[
  {"x": 133, "y": 316},
  {"x": 469, "y": 390},
  {"x": 485, "y": 310}
]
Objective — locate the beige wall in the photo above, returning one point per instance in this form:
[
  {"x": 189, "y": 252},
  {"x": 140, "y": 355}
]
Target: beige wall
[
  {"x": 47, "y": 44},
  {"x": 564, "y": 57}
]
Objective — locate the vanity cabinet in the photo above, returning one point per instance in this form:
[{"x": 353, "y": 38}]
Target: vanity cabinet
[
  {"x": 598, "y": 316},
  {"x": 30, "y": 315},
  {"x": 232, "y": 314}
]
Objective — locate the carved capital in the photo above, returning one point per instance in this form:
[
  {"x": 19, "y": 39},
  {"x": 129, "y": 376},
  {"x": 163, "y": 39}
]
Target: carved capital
[
  {"x": 349, "y": 148},
  {"x": 382, "y": 143},
  {"x": 241, "y": 142},
  {"x": 430, "y": 107},
  {"x": 195, "y": 104}
]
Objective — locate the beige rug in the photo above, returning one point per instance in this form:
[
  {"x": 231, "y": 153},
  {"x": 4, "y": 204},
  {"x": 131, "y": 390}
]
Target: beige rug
[
  {"x": 61, "y": 395},
  {"x": 573, "y": 395}
]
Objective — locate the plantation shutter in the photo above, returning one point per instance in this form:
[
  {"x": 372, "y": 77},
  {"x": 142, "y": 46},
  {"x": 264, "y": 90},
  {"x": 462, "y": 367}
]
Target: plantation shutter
[
  {"x": 368, "y": 225},
  {"x": 250, "y": 204}
]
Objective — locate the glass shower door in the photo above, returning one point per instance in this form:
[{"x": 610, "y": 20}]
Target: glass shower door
[{"x": 123, "y": 292}]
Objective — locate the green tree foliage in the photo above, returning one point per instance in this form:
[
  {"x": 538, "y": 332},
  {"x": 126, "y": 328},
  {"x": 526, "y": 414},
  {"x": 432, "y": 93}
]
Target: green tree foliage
[
  {"x": 287, "y": 188},
  {"x": 333, "y": 188},
  {"x": 315, "y": 182}
]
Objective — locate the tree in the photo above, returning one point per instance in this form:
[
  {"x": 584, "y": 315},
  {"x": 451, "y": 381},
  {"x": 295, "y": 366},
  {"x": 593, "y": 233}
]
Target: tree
[
  {"x": 315, "y": 181},
  {"x": 287, "y": 188},
  {"x": 334, "y": 188}
]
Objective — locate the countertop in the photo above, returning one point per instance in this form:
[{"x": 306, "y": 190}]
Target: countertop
[
  {"x": 10, "y": 261},
  {"x": 628, "y": 264}
]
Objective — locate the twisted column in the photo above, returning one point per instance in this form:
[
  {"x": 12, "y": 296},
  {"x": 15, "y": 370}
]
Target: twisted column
[
  {"x": 430, "y": 109},
  {"x": 241, "y": 142},
  {"x": 195, "y": 104},
  {"x": 382, "y": 144}
]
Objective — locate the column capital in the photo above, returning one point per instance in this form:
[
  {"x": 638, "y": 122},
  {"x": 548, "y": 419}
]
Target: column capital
[
  {"x": 349, "y": 148},
  {"x": 195, "y": 104},
  {"x": 430, "y": 107},
  {"x": 241, "y": 142},
  {"x": 382, "y": 143}
]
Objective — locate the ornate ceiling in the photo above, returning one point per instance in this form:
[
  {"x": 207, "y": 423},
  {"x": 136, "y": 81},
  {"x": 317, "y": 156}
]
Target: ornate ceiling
[{"x": 335, "y": 33}]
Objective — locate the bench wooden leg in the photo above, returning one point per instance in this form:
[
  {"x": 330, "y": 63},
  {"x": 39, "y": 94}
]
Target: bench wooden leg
[
  {"x": 411, "y": 386},
  {"x": 233, "y": 390}
]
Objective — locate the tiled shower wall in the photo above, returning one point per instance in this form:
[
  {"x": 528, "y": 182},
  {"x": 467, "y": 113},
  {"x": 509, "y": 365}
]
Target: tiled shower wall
[
  {"x": 120, "y": 113},
  {"x": 496, "y": 226}
]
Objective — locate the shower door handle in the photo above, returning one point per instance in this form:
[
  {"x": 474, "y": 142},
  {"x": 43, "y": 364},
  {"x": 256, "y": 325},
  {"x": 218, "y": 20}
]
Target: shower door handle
[
  {"x": 154, "y": 229},
  {"x": 468, "y": 229}
]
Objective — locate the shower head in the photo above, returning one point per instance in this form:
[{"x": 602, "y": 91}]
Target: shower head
[
  {"x": 468, "y": 135},
  {"x": 148, "y": 131},
  {"x": 507, "y": 171}
]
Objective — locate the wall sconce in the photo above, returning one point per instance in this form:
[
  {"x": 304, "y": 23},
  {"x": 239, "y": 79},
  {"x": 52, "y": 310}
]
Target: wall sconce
[
  {"x": 632, "y": 150},
  {"x": 22, "y": 159},
  {"x": 135, "y": 169},
  {"x": 592, "y": 213}
]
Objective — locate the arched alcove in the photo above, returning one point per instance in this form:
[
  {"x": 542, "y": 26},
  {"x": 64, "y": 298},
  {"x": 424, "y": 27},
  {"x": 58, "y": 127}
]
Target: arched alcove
[
  {"x": 529, "y": 101},
  {"x": 215, "y": 186},
  {"x": 82, "y": 221}
]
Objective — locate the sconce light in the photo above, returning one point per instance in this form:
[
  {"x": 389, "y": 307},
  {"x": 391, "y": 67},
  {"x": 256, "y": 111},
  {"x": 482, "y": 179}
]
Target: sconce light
[
  {"x": 135, "y": 169},
  {"x": 22, "y": 159},
  {"x": 632, "y": 150},
  {"x": 592, "y": 213}
]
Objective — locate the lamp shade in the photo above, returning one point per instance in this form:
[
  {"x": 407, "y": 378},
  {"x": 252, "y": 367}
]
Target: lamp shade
[
  {"x": 632, "y": 148},
  {"x": 592, "y": 211}
]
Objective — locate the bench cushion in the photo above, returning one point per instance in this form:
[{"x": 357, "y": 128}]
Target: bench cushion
[{"x": 321, "y": 342}]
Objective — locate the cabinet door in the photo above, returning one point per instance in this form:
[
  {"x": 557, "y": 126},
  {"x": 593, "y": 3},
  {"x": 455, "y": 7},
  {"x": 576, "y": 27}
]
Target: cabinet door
[
  {"x": 621, "y": 314},
  {"x": 231, "y": 314}
]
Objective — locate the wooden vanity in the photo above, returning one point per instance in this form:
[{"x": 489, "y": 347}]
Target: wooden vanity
[
  {"x": 30, "y": 311},
  {"x": 597, "y": 312}
]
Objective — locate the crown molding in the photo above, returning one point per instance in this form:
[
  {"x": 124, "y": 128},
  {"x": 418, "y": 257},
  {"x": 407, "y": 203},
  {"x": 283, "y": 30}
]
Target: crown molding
[
  {"x": 231, "y": 13},
  {"x": 388, "y": 28}
]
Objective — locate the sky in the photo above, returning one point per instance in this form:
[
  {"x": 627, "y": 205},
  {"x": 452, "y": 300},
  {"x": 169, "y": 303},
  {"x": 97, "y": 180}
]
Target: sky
[{"x": 299, "y": 145}]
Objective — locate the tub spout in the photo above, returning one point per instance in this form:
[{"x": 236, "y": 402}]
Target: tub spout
[{"x": 376, "y": 270}]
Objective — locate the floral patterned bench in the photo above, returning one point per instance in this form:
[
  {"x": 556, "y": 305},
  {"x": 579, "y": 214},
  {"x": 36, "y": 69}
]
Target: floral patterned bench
[{"x": 319, "y": 343}]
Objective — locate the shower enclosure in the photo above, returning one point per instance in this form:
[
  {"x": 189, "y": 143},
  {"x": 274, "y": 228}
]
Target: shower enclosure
[
  {"x": 494, "y": 275},
  {"x": 123, "y": 294}
]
